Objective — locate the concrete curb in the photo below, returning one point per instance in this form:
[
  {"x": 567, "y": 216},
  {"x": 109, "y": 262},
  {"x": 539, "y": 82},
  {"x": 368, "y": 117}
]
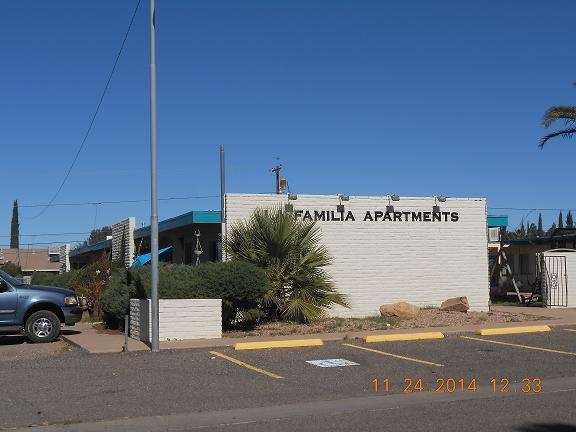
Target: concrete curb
[
  {"x": 278, "y": 344},
  {"x": 404, "y": 337},
  {"x": 95, "y": 342},
  {"x": 514, "y": 330}
]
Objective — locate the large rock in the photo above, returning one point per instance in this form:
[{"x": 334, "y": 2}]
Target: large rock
[
  {"x": 402, "y": 310},
  {"x": 457, "y": 304}
]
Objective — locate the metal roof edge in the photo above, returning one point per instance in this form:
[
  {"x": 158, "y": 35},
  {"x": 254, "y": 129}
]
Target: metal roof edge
[{"x": 104, "y": 244}]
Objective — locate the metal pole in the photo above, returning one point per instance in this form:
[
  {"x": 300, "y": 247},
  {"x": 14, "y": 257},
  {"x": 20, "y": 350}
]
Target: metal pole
[
  {"x": 126, "y": 329},
  {"x": 222, "y": 203},
  {"x": 222, "y": 186},
  {"x": 155, "y": 343}
]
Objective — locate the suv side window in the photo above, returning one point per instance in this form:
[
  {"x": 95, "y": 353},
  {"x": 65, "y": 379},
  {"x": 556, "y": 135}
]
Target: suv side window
[{"x": 4, "y": 286}]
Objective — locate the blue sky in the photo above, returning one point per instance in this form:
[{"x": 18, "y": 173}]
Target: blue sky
[{"x": 366, "y": 98}]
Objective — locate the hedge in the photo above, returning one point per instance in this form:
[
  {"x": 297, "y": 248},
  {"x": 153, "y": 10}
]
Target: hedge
[{"x": 240, "y": 285}]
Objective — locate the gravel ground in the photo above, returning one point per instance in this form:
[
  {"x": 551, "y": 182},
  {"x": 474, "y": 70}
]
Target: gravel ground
[
  {"x": 426, "y": 318},
  {"x": 18, "y": 348}
]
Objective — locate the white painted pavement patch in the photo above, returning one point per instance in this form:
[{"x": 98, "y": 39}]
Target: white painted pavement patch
[{"x": 332, "y": 363}]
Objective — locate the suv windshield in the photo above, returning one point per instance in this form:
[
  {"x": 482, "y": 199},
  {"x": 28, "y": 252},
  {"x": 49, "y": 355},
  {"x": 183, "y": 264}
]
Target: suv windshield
[{"x": 11, "y": 280}]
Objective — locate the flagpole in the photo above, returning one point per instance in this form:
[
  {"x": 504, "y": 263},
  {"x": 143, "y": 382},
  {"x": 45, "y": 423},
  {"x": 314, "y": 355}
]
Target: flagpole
[{"x": 155, "y": 341}]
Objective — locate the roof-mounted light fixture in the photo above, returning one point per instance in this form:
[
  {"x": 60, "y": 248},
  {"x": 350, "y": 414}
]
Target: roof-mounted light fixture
[
  {"x": 390, "y": 207},
  {"x": 340, "y": 206},
  {"x": 291, "y": 197},
  {"x": 437, "y": 199}
]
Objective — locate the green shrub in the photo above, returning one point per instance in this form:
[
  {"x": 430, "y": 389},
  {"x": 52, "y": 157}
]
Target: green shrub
[
  {"x": 72, "y": 279},
  {"x": 43, "y": 278},
  {"x": 116, "y": 298},
  {"x": 12, "y": 269},
  {"x": 240, "y": 285}
]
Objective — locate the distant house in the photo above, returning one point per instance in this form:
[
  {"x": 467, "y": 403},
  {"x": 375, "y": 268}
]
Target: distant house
[
  {"x": 182, "y": 237},
  {"x": 85, "y": 255},
  {"x": 522, "y": 252},
  {"x": 183, "y": 233},
  {"x": 35, "y": 260}
]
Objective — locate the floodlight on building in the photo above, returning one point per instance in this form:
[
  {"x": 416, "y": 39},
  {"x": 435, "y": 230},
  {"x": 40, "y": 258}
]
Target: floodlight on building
[
  {"x": 390, "y": 207},
  {"x": 291, "y": 197},
  {"x": 342, "y": 197},
  {"x": 437, "y": 199}
]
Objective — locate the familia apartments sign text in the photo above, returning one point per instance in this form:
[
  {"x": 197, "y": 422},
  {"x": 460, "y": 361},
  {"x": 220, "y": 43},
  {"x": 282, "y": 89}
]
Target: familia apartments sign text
[{"x": 376, "y": 216}]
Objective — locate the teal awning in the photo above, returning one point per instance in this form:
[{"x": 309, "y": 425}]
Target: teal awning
[
  {"x": 146, "y": 258},
  {"x": 498, "y": 221}
]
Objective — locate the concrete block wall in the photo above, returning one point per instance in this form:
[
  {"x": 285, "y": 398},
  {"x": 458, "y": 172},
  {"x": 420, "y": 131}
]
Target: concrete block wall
[
  {"x": 64, "y": 258},
  {"x": 178, "y": 319},
  {"x": 123, "y": 238},
  {"x": 385, "y": 259}
]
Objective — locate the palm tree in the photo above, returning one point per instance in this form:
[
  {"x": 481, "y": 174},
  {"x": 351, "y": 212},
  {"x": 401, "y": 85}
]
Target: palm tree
[
  {"x": 566, "y": 113},
  {"x": 290, "y": 252}
]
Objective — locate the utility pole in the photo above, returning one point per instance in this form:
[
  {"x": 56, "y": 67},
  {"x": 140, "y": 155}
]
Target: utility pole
[
  {"x": 154, "y": 306},
  {"x": 276, "y": 170}
]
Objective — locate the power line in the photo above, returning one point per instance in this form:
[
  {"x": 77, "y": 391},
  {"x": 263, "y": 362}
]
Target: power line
[
  {"x": 7, "y": 246},
  {"x": 115, "y": 202},
  {"x": 93, "y": 116},
  {"x": 48, "y": 234},
  {"x": 528, "y": 209}
]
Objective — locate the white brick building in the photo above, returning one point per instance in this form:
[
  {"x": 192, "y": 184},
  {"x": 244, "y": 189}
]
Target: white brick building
[{"x": 411, "y": 252}]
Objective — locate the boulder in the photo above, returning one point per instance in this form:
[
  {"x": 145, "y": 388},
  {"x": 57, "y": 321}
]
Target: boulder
[
  {"x": 401, "y": 310},
  {"x": 457, "y": 304}
]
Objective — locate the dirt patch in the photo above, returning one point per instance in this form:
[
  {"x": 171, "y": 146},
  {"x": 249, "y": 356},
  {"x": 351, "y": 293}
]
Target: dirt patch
[
  {"x": 19, "y": 348},
  {"x": 426, "y": 318}
]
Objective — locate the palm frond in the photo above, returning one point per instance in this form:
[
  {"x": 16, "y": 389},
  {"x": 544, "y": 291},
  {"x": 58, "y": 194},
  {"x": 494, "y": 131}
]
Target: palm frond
[
  {"x": 566, "y": 113},
  {"x": 566, "y": 133},
  {"x": 291, "y": 252}
]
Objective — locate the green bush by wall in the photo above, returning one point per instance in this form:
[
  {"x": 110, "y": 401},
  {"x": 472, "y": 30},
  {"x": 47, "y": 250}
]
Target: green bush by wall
[{"x": 240, "y": 285}]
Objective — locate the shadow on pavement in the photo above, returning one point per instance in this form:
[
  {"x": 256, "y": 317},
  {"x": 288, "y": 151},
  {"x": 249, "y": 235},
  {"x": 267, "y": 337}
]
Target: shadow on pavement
[
  {"x": 20, "y": 339},
  {"x": 13, "y": 340},
  {"x": 70, "y": 332},
  {"x": 547, "y": 427}
]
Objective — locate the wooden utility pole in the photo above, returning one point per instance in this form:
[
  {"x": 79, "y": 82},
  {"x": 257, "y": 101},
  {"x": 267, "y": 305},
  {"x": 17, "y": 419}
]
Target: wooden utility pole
[{"x": 276, "y": 170}]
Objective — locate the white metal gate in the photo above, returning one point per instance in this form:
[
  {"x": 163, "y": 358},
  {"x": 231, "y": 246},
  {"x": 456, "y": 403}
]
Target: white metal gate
[{"x": 554, "y": 279}]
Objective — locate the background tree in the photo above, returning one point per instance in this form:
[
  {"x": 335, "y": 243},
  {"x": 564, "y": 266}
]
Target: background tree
[
  {"x": 532, "y": 231},
  {"x": 566, "y": 114},
  {"x": 521, "y": 232},
  {"x": 540, "y": 232},
  {"x": 569, "y": 220},
  {"x": 551, "y": 229},
  {"x": 15, "y": 228},
  {"x": 97, "y": 235},
  {"x": 290, "y": 252},
  {"x": 560, "y": 220}
]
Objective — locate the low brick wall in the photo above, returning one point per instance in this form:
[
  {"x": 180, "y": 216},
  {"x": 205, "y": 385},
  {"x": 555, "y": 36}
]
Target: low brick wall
[{"x": 178, "y": 319}]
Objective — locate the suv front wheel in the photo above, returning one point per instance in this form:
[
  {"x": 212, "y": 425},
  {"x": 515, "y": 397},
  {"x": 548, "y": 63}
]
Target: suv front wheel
[{"x": 42, "y": 327}]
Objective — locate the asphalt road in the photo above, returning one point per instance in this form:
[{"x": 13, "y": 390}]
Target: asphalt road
[{"x": 455, "y": 383}]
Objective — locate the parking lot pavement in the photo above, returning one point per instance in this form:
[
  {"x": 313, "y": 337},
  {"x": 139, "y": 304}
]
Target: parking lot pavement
[
  {"x": 138, "y": 384},
  {"x": 421, "y": 363}
]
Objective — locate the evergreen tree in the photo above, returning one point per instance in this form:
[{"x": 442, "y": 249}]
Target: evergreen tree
[
  {"x": 560, "y": 220},
  {"x": 15, "y": 228},
  {"x": 569, "y": 220},
  {"x": 540, "y": 231},
  {"x": 97, "y": 235},
  {"x": 552, "y": 228},
  {"x": 521, "y": 232},
  {"x": 532, "y": 230}
]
